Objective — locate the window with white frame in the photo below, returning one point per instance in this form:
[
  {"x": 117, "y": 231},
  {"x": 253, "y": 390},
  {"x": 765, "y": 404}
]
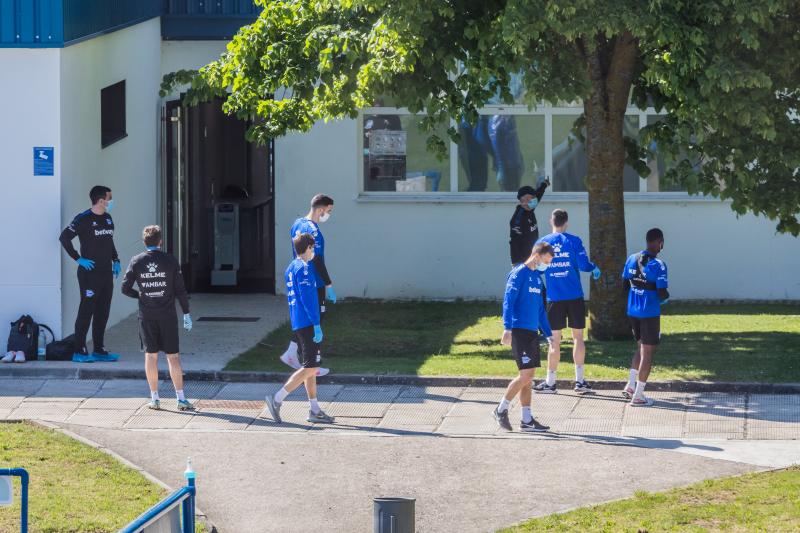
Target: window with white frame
[{"x": 509, "y": 146}]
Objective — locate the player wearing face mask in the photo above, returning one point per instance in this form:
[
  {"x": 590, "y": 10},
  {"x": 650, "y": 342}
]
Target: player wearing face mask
[
  {"x": 320, "y": 212},
  {"x": 524, "y": 229},
  {"x": 98, "y": 265},
  {"x": 524, "y": 316}
]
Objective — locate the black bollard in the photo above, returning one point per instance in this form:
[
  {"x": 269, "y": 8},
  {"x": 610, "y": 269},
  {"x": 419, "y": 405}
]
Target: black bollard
[{"x": 394, "y": 515}]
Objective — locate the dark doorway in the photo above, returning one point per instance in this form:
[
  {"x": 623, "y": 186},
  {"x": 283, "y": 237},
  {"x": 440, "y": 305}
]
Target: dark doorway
[{"x": 211, "y": 172}]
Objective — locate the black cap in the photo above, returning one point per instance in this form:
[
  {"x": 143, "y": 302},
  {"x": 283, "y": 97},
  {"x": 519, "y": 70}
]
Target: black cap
[{"x": 527, "y": 189}]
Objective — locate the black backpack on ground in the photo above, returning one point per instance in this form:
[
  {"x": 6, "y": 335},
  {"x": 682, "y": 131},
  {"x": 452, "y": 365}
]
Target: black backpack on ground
[
  {"x": 24, "y": 336},
  {"x": 61, "y": 350}
]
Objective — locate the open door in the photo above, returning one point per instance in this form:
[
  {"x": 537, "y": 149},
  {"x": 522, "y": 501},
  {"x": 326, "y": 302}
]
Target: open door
[{"x": 219, "y": 201}]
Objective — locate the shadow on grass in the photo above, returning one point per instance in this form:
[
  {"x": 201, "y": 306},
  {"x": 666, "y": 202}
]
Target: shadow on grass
[{"x": 402, "y": 337}]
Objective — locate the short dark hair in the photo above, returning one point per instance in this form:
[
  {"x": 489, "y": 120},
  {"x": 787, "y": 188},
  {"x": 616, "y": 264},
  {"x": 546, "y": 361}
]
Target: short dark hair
[
  {"x": 320, "y": 200},
  {"x": 151, "y": 235},
  {"x": 303, "y": 242},
  {"x": 525, "y": 189},
  {"x": 560, "y": 217},
  {"x": 98, "y": 193},
  {"x": 654, "y": 235},
  {"x": 542, "y": 248}
]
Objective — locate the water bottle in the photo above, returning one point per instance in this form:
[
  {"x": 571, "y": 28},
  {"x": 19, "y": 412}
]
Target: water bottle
[
  {"x": 41, "y": 350},
  {"x": 189, "y": 472}
]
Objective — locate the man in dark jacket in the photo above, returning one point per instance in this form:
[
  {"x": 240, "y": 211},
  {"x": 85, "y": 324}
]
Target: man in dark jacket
[
  {"x": 158, "y": 276},
  {"x": 98, "y": 265},
  {"x": 524, "y": 229}
]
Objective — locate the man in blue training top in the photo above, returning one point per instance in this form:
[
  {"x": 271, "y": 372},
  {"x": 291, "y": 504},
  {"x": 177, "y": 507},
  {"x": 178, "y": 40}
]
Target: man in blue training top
[
  {"x": 646, "y": 281},
  {"x": 565, "y": 304},
  {"x": 301, "y": 293},
  {"x": 320, "y": 212},
  {"x": 523, "y": 317}
]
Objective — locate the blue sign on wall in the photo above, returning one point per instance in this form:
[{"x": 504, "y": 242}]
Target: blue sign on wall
[{"x": 43, "y": 160}]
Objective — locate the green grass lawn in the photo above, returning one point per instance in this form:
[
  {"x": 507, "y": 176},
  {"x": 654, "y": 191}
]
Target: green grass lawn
[
  {"x": 768, "y": 501},
  {"x": 717, "y": 343},
  {"x": 73, "y": 487}
]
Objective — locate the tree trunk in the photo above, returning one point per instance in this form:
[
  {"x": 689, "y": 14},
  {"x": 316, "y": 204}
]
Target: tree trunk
[{"x": 610, "y": 67}]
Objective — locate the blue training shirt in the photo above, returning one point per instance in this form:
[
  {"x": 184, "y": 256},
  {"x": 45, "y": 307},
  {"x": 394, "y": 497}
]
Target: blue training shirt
[
  {"x": 523, "y": 305},
  {"x": 304, "y": 225},
  {"x": 569, "y": 260},
  {"x": 301, "y": 293},
  {"x": 643, "y": 300}
]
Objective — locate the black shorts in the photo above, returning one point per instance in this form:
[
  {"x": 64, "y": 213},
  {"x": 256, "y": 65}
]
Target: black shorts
[
  {"x": 567, "y": 313},
  {"x": 321, "y": 298},
  {"x": 159, "y": 335},
  {"x": 308, "y": 352},
  {"x": 525, "y": 347},
  {"x": 646, "y": 330}
]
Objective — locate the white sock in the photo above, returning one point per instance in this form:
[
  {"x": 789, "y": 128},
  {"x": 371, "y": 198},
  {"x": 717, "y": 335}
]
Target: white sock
[
  {"x": 551, "y": 378},
  {"x": 281, "y": 395},
  {"x": 640, "y": 385},
  {"x": 632, "y": 378},
  {"x": 154, "y": 395},
  {"x": 579, "y": 373},
  {"x": 503, "y": 405},
  {"x": 314, "y": 405},
  {"x": 180, "y": 395},
  {"x": 526, "y": 414}
]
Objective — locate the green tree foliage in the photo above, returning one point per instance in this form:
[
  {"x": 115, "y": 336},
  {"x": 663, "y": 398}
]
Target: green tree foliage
[{"x": 725, "y": 72}]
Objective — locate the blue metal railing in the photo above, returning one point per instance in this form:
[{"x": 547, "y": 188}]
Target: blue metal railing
[
  {"x": 24, "y": 478},
  {"x": 185, "y": 497}
]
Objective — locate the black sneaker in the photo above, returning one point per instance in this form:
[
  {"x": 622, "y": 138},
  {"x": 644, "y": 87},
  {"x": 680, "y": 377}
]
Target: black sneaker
[
  {"x": 502, "y": 419},
  {"x": 583, "y": 387},
  {"x": 532, "y": 426},
  {"x": 544, "y": 388}
]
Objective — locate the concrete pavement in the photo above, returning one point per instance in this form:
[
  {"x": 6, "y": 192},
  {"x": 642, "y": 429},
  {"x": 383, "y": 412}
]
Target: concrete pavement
[
  {"x": 438, "y": 444},
  {"x": 219, "y": 335}
]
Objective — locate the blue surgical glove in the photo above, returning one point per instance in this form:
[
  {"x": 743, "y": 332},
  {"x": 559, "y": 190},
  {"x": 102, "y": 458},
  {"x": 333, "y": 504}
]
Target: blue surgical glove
[
  {"x": 88, "y": 264},
  {"x": 664, "y": 301},
  {"x": 317, "y": 334},
  {"x": 187, "y": 322},
  {"x": 596, "y": 273},
  {"x": 116, "y": 268},
  {"x": 330, "y": 294}
]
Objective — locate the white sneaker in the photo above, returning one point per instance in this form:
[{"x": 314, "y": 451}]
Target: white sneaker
[
  {"x": 323, "y": 372},
  {"x": 290, "y": 360},
  {"x": 641, "y": 401},
  {"x": 627, "y": 392},
  {"x": 8, "y": 357},
  {"x": 19, "y": 357}
]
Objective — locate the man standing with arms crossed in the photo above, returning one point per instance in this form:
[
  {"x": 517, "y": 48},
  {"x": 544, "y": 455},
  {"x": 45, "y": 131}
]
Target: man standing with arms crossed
[
  {"x": 158, "y": 276},
  {"x": 565, "y": 304},
  {"x": 320, "y": 212},
  {"x": 98, "y": 265},
  {"x": 645, "y": 277},
  {"x": 523, "y": 317},
  {"x": 302, "y": 296}
]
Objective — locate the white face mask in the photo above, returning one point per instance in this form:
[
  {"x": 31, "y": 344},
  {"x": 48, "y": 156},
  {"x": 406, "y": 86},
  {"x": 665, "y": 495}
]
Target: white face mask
[{"x": 324, "y": 217}]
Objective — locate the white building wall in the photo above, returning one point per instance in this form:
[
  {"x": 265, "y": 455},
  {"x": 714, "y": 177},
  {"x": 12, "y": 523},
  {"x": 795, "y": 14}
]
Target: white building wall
[
  {"x": 30, "y": 274},
  {"x": 129, "y": 166},
  {"x": 450, "y": 249}
]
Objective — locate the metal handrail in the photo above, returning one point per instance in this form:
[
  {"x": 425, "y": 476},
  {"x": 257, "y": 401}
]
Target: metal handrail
[
  {"x": 184, "y": 496},
  {"x": 24, "y": 478}
]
